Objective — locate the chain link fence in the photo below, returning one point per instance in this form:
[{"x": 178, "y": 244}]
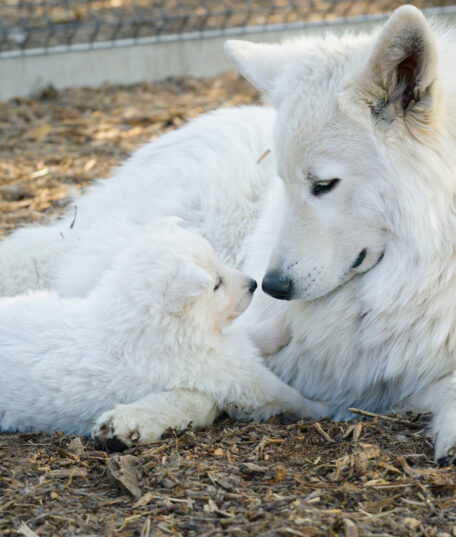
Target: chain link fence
[{"x": 32, "y": 24}]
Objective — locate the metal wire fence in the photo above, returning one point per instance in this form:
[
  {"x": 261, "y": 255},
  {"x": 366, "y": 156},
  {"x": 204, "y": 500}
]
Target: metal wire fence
[{"x": 31, "y": 24}]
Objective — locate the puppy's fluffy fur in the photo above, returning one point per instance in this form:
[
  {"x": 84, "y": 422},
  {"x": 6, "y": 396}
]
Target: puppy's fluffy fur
[{"x": 155, "y": 330}]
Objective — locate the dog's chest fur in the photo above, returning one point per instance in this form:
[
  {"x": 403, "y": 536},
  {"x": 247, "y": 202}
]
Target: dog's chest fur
[{"x": 385, "y": 345}]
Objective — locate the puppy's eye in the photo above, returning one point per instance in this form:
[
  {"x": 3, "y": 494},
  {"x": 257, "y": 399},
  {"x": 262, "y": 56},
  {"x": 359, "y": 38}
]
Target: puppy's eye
[
  {"x": 322, "y": 187},
  {"x": 218, "y": 284}
]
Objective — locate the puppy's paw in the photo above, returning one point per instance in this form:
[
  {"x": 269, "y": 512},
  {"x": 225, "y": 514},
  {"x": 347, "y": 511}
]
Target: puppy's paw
[
  {"x": 124, "y": 426},
  {"x": 106, "y": 436}
]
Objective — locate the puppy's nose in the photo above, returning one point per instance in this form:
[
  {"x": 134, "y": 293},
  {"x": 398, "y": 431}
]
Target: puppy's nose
[
  {"x": 277, "y": 286},
  {"x": 253, "y": 285}
]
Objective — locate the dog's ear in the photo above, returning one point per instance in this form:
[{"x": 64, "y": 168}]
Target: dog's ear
[
  {"x": 188, "y": 282},
  {"x": 258, "y": 62},
  {"x": 402, "y": 70}
]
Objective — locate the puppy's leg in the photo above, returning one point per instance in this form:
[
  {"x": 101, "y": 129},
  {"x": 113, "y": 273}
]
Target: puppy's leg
[
  {"x": 440, "y": 399},
  {"x": 147, "y": 419},
  {"x": 28, "y": 259},
  {"x": 241, "y": 383},
  {"x": 266, "y": 395}
]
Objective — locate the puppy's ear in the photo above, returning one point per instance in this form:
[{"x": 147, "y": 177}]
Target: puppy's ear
[
  {"x": 259, "y": 63},
  {"x": 402, "y": 70},
  {"x": 188, "y": 282}
]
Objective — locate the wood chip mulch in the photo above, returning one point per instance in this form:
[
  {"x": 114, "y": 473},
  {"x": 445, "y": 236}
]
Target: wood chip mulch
[
  {"x": 305, "y": 479},
  {"x": 373, "y": 477},
  {"x": 53, "y": 145}
]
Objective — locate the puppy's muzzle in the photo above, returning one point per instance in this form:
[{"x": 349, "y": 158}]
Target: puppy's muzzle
[{"x": 253, "y": 285}]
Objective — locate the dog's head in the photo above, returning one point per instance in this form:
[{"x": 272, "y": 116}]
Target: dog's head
[
  {"x": 180, "y": 274},
  {"x": 354, "y": 117}
]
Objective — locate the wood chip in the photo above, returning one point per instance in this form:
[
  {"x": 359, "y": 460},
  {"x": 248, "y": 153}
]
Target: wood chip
[
  {"x": 323, "y": 433},
  {"x": 76, "y": 446},
  {"x": 350, "y": 528},
  {"x": 263, "y": 156},
  {"x": 144, "y": 500},
  {"x": 125, "y": 472},
  {"x": 26, "y": 531}
]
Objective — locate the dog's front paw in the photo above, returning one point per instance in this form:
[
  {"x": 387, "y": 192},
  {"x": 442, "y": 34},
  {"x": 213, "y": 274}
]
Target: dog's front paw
[
  {"x": 124, "y": 426},
  {"x": 443, "y": 430},
  {"x": 444, "y": 455},
  {"x": 450, "y": 459}
]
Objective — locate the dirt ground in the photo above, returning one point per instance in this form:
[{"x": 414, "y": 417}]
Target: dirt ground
[{"x": 372, "y": 477}]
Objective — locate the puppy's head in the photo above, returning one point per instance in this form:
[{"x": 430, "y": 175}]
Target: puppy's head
[
  {"x": 202, "y": 287},
  {"x": 170, "y": 280}
]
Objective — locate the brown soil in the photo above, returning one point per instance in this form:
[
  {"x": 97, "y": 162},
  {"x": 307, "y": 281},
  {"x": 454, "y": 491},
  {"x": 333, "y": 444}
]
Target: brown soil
[{"x": 375, "y": 477}]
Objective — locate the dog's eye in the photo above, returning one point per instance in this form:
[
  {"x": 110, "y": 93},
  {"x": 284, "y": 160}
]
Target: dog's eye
[
  {"x": 322, "y": 187},
  {"x": 218, "y": 284}
]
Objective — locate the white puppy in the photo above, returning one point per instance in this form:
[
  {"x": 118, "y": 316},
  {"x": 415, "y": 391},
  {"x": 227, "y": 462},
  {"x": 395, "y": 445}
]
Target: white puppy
[{"x": 154, "y": 333}]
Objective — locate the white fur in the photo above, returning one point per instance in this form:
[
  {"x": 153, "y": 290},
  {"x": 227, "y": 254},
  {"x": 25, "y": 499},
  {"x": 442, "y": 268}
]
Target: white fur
[
  {"x": 197, "y": 173},
  {"x": 154, "y": 323},
  {"x": 381, "y": 335},
  {"x": 375, "y": 111}
]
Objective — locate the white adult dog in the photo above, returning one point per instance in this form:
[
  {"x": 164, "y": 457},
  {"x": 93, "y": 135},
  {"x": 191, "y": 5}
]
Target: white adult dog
[
  {"x": 152, "y": 332},
  {"x": 359, "y": 238}
]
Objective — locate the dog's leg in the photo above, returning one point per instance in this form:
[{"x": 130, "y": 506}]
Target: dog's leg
[
  {"x": 443, "y": 425},
  {"x": 28, "y": 259},
  {"x": 147, "y": 419},
  {"x": 440, "y": 399}
]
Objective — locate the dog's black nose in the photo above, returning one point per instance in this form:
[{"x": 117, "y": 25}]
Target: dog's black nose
[
  {"x": 253, "y": 285},
  {"x": 277, "y": 286}
]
